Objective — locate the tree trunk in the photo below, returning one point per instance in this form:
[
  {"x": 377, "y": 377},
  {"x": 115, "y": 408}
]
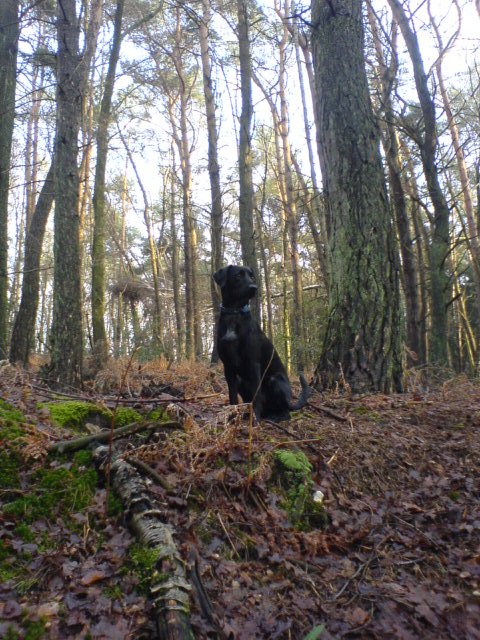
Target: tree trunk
[
  {"x": 23, "y": 334},
  {"x": 9, "y": 34},
  {"x": 315, "y": 215},
  {"x": 467, "y": 194},
  {"x": 245, "y": 200},
  {"x": 179, "y": 322},
  {"x": 291, "y": 211},
  {"x": 440, "y": 244},
  {"x": 394, "y": 163},
  {"x": 361, "y": 342},
  {"x": 100, "y": 343},
  {"x": 72, "y": 73},
  {"x": 213, "y": 166}
]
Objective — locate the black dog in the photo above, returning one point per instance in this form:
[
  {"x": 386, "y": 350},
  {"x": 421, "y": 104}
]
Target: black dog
[{"x": 252, "y": 366}]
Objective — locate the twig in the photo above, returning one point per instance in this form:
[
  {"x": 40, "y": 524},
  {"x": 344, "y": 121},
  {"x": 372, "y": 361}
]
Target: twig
[
  {"x": 333, "y": 414},
  {"x": 142, "y": 466},
  {"x": 228, "y": 535},
  {"x": 413, "y": 526},
  {"x": 363, "y": 566},
  {"x": 291, "y": 434},
  {"x": 103, "y": 436}
]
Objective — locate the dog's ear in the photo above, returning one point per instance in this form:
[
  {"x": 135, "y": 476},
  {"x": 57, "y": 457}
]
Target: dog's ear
[
  {"x": 220, "y": 277},
  {"x": 251, "y": 272}
]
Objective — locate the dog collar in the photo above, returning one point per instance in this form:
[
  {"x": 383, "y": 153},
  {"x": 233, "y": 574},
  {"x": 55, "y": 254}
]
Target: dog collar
[{"x": 234, "y": 312}]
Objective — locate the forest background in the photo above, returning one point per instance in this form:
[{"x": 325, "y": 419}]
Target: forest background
[{"x": 143, "y": 145}]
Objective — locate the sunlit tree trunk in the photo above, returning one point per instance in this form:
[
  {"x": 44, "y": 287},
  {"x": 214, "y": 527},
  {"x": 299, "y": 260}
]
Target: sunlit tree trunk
[
  {"x": 179, "y": 321},
  {"x": 23, "y": 334},
  {"x": 466, "y": 194},
  {"x": 213, "y": 165},
  {"x": 440, "y": 243},
  {"x": 245, "y": 200},
  {"x": 9, "y": 34},
  {"x": 100, "y": 343},
  {"x": 361, "y": 341},
  {"x": 394, "y": 163},
  {"x": 72, "y": 73},
  {"x": 315, "y": 215}
]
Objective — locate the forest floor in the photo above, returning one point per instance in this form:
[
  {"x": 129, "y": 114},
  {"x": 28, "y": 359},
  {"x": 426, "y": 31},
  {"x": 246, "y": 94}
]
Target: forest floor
[{"x": 393, "y": 552}]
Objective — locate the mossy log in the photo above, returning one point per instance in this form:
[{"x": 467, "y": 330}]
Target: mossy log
[
  {"x": 169, "y": 588},
  {"x": 75, "y": 444}
]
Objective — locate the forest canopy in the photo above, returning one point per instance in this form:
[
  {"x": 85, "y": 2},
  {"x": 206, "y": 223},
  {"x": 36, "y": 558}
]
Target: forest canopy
[{"x": 334, "y": 148}]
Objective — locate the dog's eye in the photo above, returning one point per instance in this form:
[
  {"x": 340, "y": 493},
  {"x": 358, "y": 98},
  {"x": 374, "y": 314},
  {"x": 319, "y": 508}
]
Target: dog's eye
[{"x": 239, "y": 276}]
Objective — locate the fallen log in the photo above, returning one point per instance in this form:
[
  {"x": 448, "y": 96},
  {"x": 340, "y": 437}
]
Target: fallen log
[
  {"x": 169, "y": 588},
  {"x": 74, "y": 444}
]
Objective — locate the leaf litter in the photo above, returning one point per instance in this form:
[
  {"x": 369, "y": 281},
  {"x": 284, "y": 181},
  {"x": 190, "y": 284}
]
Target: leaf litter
[{"x": 398, "y": 557}]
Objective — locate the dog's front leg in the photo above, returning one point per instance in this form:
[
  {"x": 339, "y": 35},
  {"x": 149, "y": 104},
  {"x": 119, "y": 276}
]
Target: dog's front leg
[
  {"x": 256, "y": 391},
  {"x": 232, "y": 382}
]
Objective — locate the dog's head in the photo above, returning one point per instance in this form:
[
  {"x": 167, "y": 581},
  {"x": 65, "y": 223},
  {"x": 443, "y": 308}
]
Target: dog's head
[{"x": 237, "y": 284}]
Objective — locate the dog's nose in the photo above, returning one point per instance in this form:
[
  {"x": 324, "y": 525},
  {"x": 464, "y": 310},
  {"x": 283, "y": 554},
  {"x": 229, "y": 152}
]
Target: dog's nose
[{"x": 253, "y": 286}]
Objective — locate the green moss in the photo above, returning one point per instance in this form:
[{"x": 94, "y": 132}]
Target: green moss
[
  {"x": 34, "y": 630},
  {"x": 143, "y": 561},
  {"x": 368, "y": 413},
  {"x": 125, "y": 415},
  {"x": 9, "y": 476},
  {"x": 9, "y": 416},
  {"x": 60, "y": 491},
  {"x": 25, "y": 533},
  {"x": 74, "y": 415},
  {"x": 294, "y": 472},
  {"x": 158, "y": 415},
  {"x": 115, "y": 506},
  {"x": 12, "y": 431},
  {"x": 113, "y": 593}
]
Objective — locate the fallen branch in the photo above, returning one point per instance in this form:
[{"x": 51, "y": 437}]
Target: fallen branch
[
  {"x": 169, "y": 588},
  {"x": 75, "y": 444},
  {"x": 143, "y": 466}
]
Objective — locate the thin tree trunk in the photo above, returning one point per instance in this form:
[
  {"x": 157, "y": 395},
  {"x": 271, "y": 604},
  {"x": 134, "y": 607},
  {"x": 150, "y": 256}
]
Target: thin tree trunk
[
  {"x": 179, "y": 322},
  {"x": 23, "y": 334},
  {"x": 440, "y": 244},
  {"x": 312, "y": 205},
  {"x": 467, "y": 195},
  {"x": 291, "y": 210},
  {"x": 9, "y": 34},
  {"x": 245, "y": 200},
  {"x": 213, "y": 165},
  {"x": 394, "y": 163},
  {"x": 100, "y": 342}
]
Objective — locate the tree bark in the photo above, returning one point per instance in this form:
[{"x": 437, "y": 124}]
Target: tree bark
[
  {"x": 9, "y": 34},
  {"x": 216, "y": 225},
  {"x": 100, "y": 343},
  {"x": 361, "y": 343},
  {"x": 291, "y": 210},
  {"x": 72, "y": 73},
  {"x": 440, "y": 243},
  {"x": 245, "y": 200},
  {"x": 399, "y": 203},
  {"x": 23, "y": 334},
  {"x": 169, "y": 588},
  {"x": 466, "y": 194}
]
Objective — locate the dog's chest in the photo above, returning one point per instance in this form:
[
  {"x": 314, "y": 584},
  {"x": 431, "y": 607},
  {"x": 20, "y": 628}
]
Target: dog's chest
[{"x": 232, "y": 339}]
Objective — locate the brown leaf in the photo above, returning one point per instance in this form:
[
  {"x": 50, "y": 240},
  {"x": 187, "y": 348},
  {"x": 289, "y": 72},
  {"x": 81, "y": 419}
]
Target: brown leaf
[{"x": 92, "y": 576}]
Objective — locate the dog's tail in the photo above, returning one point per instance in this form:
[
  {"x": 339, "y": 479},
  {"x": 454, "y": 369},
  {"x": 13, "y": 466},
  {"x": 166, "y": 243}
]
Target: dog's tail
[{"x": 303, "y": 399}]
